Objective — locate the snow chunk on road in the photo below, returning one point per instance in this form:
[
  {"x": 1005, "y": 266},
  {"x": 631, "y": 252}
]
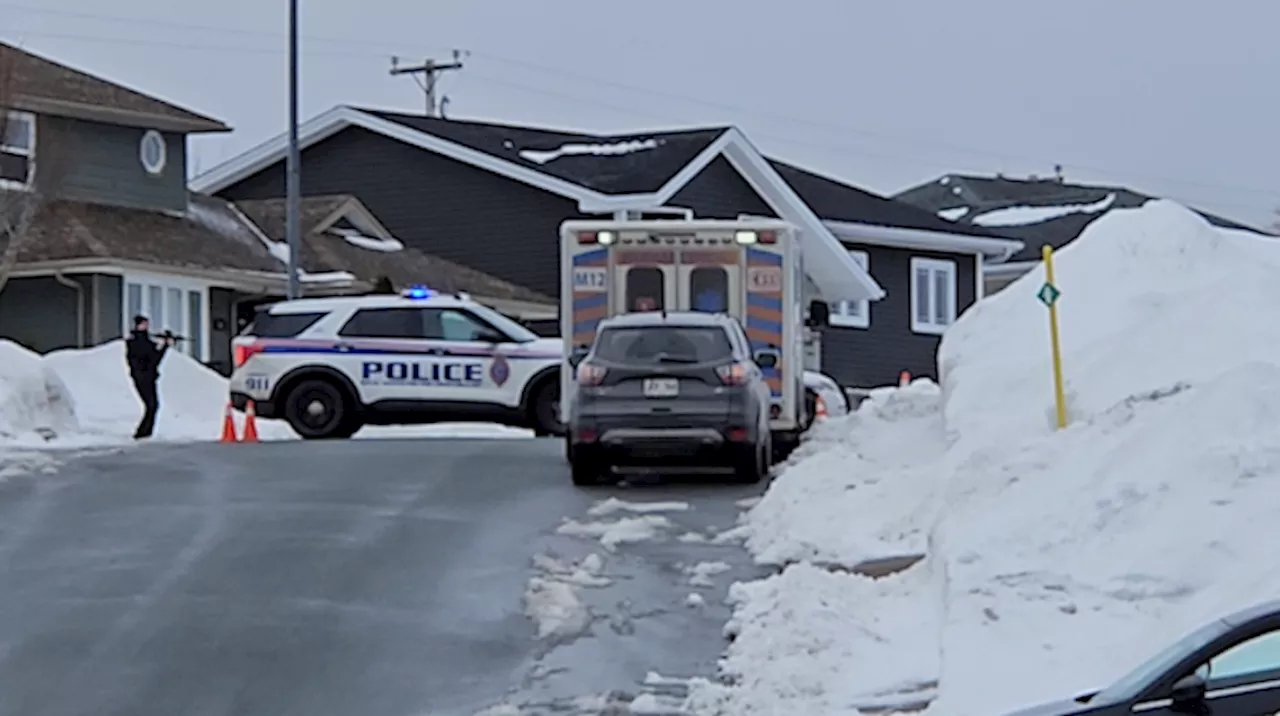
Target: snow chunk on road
[
  {"x": 622, "y": 531},
  {"x": 878, "y": 462},
  {"x": 613, "y": 505},
  {"x": 701, "y": 573},
  {"x": 583, "y": 574},
  {"x": 555, "y": 608}
]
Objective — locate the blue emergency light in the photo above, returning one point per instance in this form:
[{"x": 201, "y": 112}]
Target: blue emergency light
[{"x": 418, "y": 292}]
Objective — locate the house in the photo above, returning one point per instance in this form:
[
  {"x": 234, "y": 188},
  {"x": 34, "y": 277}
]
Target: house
[
  {"x": 93, "y": 190},
  {"x": 1035, "y": 210},
  {"x": 492, "y": 196}
]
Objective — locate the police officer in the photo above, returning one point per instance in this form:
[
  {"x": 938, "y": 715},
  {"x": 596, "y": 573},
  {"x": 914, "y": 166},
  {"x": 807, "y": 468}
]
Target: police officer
[{"x": 144, "y": 356}]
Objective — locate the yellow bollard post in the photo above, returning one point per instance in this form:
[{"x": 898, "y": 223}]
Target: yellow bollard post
[{"x": 1048, "y": 295}]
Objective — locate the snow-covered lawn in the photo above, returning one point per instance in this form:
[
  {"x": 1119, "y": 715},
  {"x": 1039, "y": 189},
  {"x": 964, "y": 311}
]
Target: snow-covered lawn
[
  {"x": 79, "y": 398},
  {"x": 1048, "y": 562}
]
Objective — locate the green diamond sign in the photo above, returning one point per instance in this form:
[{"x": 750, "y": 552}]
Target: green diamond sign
[{"x": 1048, "y": 294}]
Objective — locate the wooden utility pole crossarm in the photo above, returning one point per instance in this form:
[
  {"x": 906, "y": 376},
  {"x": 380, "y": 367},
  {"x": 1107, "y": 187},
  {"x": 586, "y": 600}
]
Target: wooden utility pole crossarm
[{"x": 430, "y": 71}]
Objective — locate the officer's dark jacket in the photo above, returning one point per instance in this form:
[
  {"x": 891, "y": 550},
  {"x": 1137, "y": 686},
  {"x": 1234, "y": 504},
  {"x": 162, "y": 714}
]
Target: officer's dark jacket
[{"x": 143, "y": 356}]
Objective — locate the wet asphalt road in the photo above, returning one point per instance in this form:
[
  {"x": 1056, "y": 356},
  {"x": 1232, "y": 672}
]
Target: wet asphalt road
[{"x": 361, "y": 578}]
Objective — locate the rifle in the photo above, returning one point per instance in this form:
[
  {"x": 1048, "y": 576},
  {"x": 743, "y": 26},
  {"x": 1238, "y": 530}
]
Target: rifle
[{"x": 169, "y": 335}]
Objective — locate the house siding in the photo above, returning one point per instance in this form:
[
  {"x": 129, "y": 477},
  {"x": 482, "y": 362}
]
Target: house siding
[
  {"x": 100, "y": 163},
  {"x": 877, "y": 355},
  {"x": 450, "y": 209},
  {"x": 40, "y": 313},
  {"x": 107, "y": 321},
  {"x": 222, "y": 328},
  {"x": 720, "y": 192}
]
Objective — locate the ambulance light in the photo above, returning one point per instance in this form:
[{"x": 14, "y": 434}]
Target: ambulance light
[
  {"x": 745, "y": 237},
  {"x": 596, "y": 237},
  {"x": 605, "y": 237},
  {"x": 768, "y": 237},
  {"x": 586, "y": 237}
]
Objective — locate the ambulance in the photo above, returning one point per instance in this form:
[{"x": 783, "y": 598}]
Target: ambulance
[{"x": 751, "y": 269}]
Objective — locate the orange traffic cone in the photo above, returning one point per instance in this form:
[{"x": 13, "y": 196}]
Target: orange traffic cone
[
  {"x": 250, "y": 424},
  {"x": 228, "y": 426},
  {"x": 904, "y": 378},
  {"x": 820, "y": 409}
]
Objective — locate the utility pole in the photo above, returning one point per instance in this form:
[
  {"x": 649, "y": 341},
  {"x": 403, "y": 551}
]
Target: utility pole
[
  {"x": 293, "y": 197},
  {"x": 430, "y": 71}
]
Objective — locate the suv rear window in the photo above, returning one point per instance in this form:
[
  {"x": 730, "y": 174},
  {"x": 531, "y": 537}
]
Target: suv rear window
[
  {"x": 654, "y": 344},
  {"x": 280, "y": 325}
]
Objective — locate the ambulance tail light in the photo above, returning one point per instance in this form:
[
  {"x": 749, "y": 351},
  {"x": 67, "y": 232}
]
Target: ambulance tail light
[
  {"x": 603, "y": 238},
  {"x": 590, "y": 375},
  {"x": 768, "y": 237},
  {"x": 733, "y": 373}
]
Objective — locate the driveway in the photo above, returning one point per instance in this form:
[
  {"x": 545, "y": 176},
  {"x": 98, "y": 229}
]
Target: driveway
[{"x": 360, "y": 578}]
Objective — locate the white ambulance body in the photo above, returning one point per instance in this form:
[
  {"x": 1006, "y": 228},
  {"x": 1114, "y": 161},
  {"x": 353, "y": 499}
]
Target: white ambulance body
[{"x": 750, "y": 269}]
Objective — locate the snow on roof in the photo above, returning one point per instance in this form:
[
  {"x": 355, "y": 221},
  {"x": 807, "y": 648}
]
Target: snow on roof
[
  {"x": 372, "y": 243},
  {"x": 1023, "y": 215},
  {"x": 541, "y": 156},
  {"x": 1049, "y": 562},
  {"x": 954, "y": 214}
]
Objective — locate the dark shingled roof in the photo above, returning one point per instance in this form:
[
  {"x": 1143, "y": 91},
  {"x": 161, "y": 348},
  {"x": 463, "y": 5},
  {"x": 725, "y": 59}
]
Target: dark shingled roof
[
  {"x": 209, "y": 235},
  {"x": 982, "y": 195},
  {"x": 610, "y": 164},
  {"x": 47, "y": 87},
  {"x": 324, "y": 252}
]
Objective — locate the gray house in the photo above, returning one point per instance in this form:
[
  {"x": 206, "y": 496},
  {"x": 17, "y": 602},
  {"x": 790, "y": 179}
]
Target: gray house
[{"x": 115, "y": 231}]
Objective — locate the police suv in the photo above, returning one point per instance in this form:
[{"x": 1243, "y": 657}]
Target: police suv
[{"x": 329, "y": 366}]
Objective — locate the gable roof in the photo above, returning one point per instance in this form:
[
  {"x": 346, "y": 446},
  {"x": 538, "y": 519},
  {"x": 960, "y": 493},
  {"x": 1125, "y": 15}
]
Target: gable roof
[
  {"x": 46, "y": 87},
  {"x": 1037, "y": 211},
  {"x": 329, "y": 246},
  {"x": 609, "y": 164}
]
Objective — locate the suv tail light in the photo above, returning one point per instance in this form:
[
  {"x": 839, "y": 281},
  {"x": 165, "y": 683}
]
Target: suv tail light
[
  {"x": 589, "y": 374},
  {"x": 245, "y": 351},
  {"x": 733, "y": 373}
]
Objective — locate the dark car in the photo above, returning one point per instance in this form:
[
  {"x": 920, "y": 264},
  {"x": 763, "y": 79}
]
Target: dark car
[
  {"x": 1230, "y": 667},
  {"x": 673, "y": 391}
]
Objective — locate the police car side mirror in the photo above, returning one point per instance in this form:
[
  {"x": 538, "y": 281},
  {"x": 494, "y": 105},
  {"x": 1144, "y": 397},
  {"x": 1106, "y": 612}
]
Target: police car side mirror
[
  {"x": 819, "y": 314},
  {"x": 579, "y": 352},
  {"x": 766, "y": 359}
]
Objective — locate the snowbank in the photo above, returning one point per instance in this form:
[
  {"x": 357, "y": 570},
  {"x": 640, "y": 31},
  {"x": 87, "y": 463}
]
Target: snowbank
[
  {"x": 1052, "y": 561},
  {"x": 85, "y": 397}
]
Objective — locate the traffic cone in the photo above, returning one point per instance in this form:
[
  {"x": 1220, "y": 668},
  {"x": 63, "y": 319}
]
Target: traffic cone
[
  {"x": 904, "y": 378},
  {"x": 820, "y": 409},
  {"x": 250, "y": 424},
  {"x": 228, "y": 426}
]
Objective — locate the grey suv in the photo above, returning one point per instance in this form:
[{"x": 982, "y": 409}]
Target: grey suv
[{"x": 670, "y": 390}]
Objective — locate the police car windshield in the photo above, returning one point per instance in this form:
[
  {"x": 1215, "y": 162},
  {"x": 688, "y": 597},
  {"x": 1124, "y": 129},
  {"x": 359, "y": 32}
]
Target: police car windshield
[
  {"x": 663, "y": 344},
  {"x": 514, "y": 330}
]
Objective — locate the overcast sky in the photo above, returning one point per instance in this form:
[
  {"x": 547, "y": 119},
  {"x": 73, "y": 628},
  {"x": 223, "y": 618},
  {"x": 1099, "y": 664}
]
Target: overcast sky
[{"x": 1177, "y": 98}]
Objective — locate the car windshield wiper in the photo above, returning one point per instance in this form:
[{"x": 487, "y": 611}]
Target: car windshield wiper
[{"x": 676, "y": 359}]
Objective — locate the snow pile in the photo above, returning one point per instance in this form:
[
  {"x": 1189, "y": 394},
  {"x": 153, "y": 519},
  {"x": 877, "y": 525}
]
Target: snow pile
[
  {"x": 1052, "y": 561},
  {"x": 34, "y": 403},
  {"x": 552, "y": 599}
]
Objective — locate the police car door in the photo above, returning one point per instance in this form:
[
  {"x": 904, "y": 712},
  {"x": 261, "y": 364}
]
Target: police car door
[
  {"x": 381, "y": 349},
  {"x": 465, "y": 348}
]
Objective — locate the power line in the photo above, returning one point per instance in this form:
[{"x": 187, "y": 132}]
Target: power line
[
  {"x": 737, "y": 110},
  {"x": 430, "y": 71}
]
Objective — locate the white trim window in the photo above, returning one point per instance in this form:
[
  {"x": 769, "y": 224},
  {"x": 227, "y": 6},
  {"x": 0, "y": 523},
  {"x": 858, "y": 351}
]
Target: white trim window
[
  {"x": 17, "y": 150},
  {"x": 933, "y": 295},
  {"x": 152, "y": 152},
  {"x": 171, "y": 304},
  {"x": 853, "y": 314}
]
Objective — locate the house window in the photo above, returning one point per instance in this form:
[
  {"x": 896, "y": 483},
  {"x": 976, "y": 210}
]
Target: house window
[
  {"x": 153, "y": 152},
  {"x": 17, "y": 149},
  {"x": 170, "y": 304},
  {"x": 933, "y": 295},
  {"x": 853, "y": 314}
]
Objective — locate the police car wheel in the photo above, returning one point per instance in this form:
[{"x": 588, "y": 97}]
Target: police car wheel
[
  {"x": 544, "y": 410},
  {"x": 316, "y": 410}
]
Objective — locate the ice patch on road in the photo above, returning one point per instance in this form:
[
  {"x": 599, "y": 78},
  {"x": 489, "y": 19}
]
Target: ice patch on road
[
  {"x": 623, "y": 531},
  {"x": 555, "y": 609},
  {"x": 613, "y": 505}
]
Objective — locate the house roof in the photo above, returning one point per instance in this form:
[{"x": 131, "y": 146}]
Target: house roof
[
  {"x": 43, "y": 86},
  {"x": 210, "y": 234},
  {"x": 610, "y": 164},
  {"x": 325, "y": 249},
  {"x": 1037, "y": 211}
]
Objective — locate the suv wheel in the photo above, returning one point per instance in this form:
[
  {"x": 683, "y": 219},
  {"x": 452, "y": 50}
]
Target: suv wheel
[
  {"x": 586, "y": 472},
  {"x": 317, "y": 410},
  {"x": 544, "y": 410},
  {"x": 754, "y": 467}
]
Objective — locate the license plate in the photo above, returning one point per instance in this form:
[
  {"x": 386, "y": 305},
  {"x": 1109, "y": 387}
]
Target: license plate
[{"x": 661, "y": 387}]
